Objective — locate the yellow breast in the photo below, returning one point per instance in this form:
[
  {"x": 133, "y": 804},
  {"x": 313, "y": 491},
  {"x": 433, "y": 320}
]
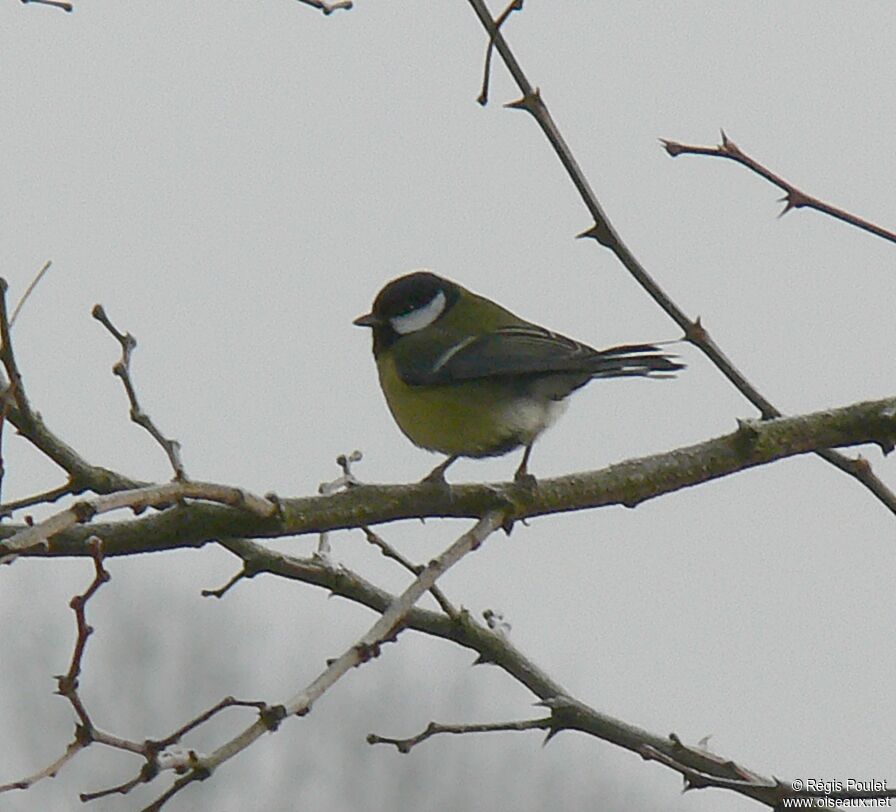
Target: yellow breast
[{"x": 475, "y": 418}]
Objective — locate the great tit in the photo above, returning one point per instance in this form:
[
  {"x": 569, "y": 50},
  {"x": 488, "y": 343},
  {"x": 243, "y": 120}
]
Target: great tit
[{"x": 467, "y": 378}]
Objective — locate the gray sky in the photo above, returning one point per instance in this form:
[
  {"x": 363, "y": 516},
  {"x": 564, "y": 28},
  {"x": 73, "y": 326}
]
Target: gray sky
[{"x": 235, "y": 181}]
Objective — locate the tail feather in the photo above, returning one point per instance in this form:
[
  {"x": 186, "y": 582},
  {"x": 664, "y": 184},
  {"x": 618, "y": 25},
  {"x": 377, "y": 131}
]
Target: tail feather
[{"x": 645, "y": 360}]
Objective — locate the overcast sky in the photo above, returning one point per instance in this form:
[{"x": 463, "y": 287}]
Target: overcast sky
[{"x": 235, "y": 181}]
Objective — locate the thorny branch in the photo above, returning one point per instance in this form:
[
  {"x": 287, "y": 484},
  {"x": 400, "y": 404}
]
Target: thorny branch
[
  {"x": 494, "y": 647},
  {"x": 770, "y": 791},
  {"x": 793, "y": 197},
  {"x": 386, "y": 629},
  {"x": 604, "y": 233}
]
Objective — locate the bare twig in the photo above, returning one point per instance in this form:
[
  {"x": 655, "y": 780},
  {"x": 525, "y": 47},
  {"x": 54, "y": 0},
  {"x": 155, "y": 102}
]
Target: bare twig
[
  {"x": 515, "y": 5},
  {"x": 51, "y": 771},
  {"x": 390, "y": 552},
  {"x": 434, "y": 728},
  {"x": 604, "y": 233},
  {"x": 328, "y": 8},
  {"x": 344, "y": 482},
  {"x": 160, "y": 754},
  {"x": 221, "y": 591},
  {"x": 54, "y": 3},
  {"x": 44, "y": 498},
  {"x": 793, "y": 197},
  {"x": 84, "y": 511},
  {"x": 227, "y": 702},
  {"x": 15, "y": 392},
  {"x": 28, "y": 291},
  {"x": 123, "y": 370}
]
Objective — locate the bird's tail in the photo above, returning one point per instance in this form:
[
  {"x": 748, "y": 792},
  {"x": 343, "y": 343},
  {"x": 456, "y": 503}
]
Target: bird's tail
[{"x": 646, "y": 360}]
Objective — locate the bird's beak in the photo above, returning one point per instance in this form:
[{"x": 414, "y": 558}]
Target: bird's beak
[{"x": 367, "y": 320}]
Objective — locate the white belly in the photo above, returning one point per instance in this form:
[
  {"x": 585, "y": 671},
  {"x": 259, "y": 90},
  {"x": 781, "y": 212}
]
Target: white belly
[{"x": 528, "y": 417}]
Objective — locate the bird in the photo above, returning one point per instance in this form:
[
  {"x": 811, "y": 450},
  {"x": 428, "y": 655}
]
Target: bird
[{"x": 465, "y": 377}]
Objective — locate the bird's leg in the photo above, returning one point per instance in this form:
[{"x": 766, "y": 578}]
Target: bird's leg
[
  {"x": 437, "y": 475},
  {"x": 522, "y": 475}
]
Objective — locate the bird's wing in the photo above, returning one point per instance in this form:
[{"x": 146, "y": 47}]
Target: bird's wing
[{"x": 532, "y": 350}]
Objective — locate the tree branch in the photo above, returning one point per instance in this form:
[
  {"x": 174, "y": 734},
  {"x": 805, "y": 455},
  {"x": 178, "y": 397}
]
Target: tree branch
[
  {"x": 626, "y": 483},
  {"x": 37, "y": 536},
  {"x": 793, "y": 197}
]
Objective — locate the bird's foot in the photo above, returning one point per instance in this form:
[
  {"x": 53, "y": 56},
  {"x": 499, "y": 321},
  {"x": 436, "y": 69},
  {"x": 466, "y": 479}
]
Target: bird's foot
[{"x": 437, "y": 475}]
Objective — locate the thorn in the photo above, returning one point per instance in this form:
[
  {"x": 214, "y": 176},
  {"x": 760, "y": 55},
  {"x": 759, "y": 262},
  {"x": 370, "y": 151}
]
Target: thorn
[
  {"x": 695, "y": 332},
  {"x": 726, "y": 142},
  {"x": 673, "y": 148},
  {"x": 787, "y": 200},
  {"x": 527, "y": 102},
  {"x": 601, "y": 232},
  {"x": 794, "y": 199}
]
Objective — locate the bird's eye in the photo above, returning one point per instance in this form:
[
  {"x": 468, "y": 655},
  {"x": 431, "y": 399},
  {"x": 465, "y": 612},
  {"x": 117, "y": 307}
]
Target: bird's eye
[{"x": 416, "y": 318}]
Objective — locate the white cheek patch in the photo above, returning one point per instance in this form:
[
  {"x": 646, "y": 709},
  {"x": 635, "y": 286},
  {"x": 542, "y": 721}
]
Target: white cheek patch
[{"x": 421, "y": 317}]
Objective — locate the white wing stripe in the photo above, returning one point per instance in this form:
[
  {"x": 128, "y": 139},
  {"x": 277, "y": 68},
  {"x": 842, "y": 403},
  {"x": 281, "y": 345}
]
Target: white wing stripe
[{"x": 446, "y": 356}]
